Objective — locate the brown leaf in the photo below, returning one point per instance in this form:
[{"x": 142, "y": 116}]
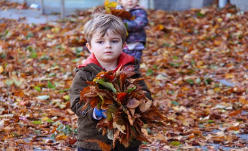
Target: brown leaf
[
  {"x": 131, "y": 119},
  {"x": 144, "y": 106},
  {"x": 122, "y": 80},
  {"x": 133, "y": 103},
  {"x": 141, "y": 137},
  {"x": 122, "y": 14}
]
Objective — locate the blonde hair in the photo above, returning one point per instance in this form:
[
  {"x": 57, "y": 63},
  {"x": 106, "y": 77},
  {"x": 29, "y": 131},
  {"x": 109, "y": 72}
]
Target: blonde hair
[{"x": 103, "y": 22}]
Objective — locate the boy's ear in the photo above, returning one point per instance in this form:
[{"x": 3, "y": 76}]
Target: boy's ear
[
  {"x": 88, "y": 46},
  {"x": 124, "y": 45}
]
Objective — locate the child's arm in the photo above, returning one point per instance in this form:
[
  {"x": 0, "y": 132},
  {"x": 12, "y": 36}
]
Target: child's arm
[
  {"x": 138, "y": 23},
  {"x": 77, "y": 86}
]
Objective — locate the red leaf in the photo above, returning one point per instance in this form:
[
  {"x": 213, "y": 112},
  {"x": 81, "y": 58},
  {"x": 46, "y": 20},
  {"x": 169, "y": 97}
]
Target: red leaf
[{"x": 121, "y": 96}]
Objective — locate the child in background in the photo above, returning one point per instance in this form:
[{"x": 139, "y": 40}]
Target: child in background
[
  {"x": 136, "y": 38},
  {"x": 105, "y": 35}
]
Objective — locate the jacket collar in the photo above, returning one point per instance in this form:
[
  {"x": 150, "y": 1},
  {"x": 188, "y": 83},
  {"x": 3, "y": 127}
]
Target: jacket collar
[{"x": 122, "y": 60}]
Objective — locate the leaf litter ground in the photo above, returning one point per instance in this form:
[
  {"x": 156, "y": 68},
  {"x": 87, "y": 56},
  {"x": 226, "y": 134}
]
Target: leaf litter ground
[{"x": 196, "y": 62}]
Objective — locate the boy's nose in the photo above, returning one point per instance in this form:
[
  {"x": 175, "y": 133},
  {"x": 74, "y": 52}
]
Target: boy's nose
[{"x": 108, "y": 45}]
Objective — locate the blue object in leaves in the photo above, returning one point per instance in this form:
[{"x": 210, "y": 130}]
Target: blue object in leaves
[{"x": 100, "y": 113}]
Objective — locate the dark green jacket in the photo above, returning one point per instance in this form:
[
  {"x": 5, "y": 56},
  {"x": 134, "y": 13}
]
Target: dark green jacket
[{"x": 86, "y": 123}]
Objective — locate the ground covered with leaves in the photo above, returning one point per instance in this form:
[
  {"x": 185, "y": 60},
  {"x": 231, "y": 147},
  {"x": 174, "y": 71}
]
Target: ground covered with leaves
[{"x": 195, "y": 61}]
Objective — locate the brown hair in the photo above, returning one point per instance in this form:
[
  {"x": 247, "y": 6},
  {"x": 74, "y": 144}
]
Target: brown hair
[{"x": 103, "y": 22}]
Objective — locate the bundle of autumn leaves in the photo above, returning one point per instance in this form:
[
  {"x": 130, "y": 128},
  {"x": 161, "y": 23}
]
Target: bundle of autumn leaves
[{"x": 127, "y": 107}]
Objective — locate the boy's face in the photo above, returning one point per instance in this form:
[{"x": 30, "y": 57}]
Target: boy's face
[
  {"x": 129, "y": 4},
  {"x": 107, "y": 48}
]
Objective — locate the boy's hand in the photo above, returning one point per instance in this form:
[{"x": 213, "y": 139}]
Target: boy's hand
[{"x": 100, "y": 113}]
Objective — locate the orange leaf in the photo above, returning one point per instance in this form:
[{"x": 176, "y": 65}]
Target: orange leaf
[
  {"x": 234, "y": 113},
  {"x": 94, "y": 102},
  {"x": 159, "y": 27},
  {"x": 72, "y": 141},
  {"x": 102, "y": 145}
]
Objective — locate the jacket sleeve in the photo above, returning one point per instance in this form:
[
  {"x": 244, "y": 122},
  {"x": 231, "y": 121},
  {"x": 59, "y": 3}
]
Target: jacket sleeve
[
  {"x": 78, "y": 84},
  {"x": 138, "y": 23},
  {"x": 142, "y": 83}
]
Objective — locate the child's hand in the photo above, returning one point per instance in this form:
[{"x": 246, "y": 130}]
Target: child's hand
[{"x": 100, "y": 113}]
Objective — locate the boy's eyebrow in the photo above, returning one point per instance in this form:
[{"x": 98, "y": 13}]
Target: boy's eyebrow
[
  {"x": 100, "y": 38},
  {"x": 116, "y": 38}
]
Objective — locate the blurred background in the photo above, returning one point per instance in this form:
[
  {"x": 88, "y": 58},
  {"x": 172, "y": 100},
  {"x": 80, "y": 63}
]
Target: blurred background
[{"x": 68, "y": 6}]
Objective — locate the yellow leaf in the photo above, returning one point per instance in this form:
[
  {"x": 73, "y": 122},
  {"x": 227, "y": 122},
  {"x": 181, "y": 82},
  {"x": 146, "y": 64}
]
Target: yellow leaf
[
  {"x": 199, "y": 63},
  {"x": 219, "y": 20},
  {"x": 44, "y": 119},
  {"x": 61, "y": 137},
  {"x": 229, "y": 76},
  {"x": 1, "y": 69},
  {"x": 49, "y": 36},
  {"x": 106, "y": 2},
  {"x": 108, "y": 11},
  {"x": 66, "y": 97},
  {"x": 55, "y": 30},
  {"x": 216, "y": 89},
  {"x": 112, "y": 4}
]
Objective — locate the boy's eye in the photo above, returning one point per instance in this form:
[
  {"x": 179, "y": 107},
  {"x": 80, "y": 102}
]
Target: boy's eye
[
  {"x": 114, "y": 41},
  {"x": 100, "y": 42}
]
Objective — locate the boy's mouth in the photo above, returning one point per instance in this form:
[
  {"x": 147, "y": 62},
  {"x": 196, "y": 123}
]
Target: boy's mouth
[{"x": 108, "y": 52}]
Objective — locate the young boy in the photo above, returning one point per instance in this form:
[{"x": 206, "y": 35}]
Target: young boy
[{"x": 105, "y": 35}]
